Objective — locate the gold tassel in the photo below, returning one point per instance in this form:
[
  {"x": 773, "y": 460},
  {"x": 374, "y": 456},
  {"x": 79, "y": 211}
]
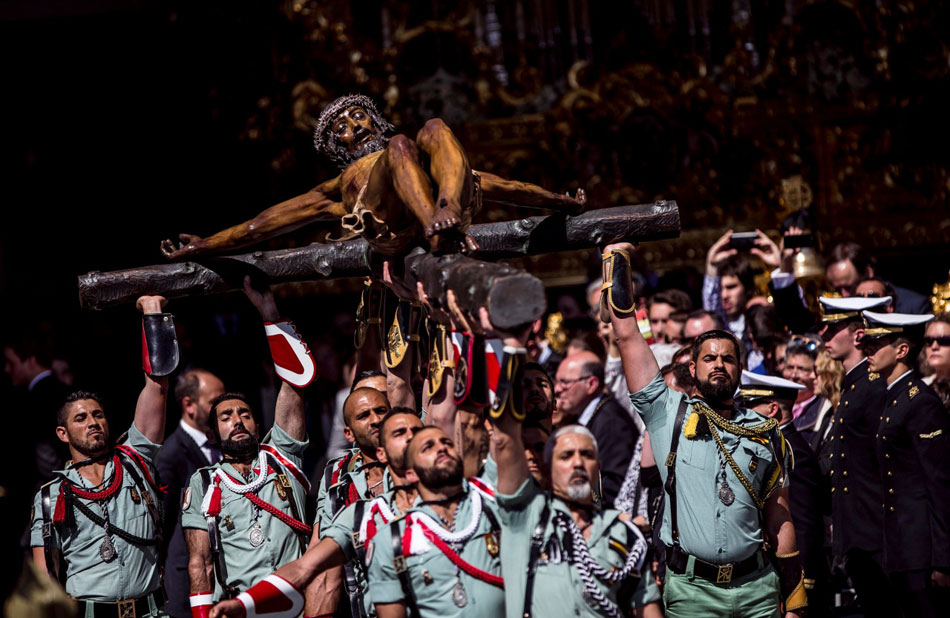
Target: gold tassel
[{"x": 692, "y": 424}]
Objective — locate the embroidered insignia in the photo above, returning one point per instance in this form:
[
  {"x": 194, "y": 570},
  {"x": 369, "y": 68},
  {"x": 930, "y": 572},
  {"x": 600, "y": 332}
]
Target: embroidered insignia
[
  {"x": 914, "y": 391},
  {"x": 873, "y": 376},
  {"x": 186, "y": 501},
  {"x": 932, "y": 434},
  {"x": 758, "y": 439}
]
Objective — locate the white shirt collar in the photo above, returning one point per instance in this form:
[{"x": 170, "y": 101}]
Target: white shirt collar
[
  {"x": 588, "y": 412},
  {"x": 863, "y": 360},
  {"x": 196, "y": 434},
  {"x": 899, "y": 378},
  {"x": 38, "y": 377},
  {"x": 545, "y": 352}
]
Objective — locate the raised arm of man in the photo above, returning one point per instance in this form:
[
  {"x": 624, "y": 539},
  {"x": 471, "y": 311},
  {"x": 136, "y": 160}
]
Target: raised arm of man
[
  {"x": 150, "y": 407},
  {"x": 289, "y": 413},
  {"x": 618, "y": 304}
]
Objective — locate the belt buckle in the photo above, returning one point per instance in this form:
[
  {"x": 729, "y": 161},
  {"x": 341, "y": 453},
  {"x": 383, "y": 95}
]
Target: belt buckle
[
  {"x": 724, "y": 574},
  {"x": 399, "y": 562},
  {"x": 126, "y": 608}
]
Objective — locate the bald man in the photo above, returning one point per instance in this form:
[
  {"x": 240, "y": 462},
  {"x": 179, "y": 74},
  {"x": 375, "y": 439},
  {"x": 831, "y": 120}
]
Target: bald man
[{"x": 580, "y": 398}]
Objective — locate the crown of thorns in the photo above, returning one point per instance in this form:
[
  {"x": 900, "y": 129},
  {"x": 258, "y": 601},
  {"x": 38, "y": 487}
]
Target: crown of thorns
[{"x": 333, "y": 110}]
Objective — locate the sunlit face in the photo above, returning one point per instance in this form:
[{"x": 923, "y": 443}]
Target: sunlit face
[
  {"x": 395, "y": 433},
  {"x": 842, "y": 276},
  {"x": 433, "y": 459},
  {"x": 733, "y": 295},
  {"x": 800, "y": 368},
  {"x": 362, "y": 414},
  {"x": 659, "y": 314},
  {"x": 86, "y": 429},
  {"x": 573, "y": 390},
  {"x": 839, "y": 340},
  {"x": 938, "y": 351},
  {"x": 235, "y": 421},
  {"x": 883, "y": 353},
  {"x": 574, "y": 468},
  {"x": 716, "y": 370}
]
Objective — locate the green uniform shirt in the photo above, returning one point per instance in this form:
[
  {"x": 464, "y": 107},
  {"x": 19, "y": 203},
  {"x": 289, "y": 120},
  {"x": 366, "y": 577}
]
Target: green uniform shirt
[
  {"x": 558, "y": 587},
  {"x": 433, "y": 575},
  {"x": 247, "y": 564},
  {"x": 334, "y": 491},
  {"x": 135, "y": 570},
  {"x": 708, "y": 529}
]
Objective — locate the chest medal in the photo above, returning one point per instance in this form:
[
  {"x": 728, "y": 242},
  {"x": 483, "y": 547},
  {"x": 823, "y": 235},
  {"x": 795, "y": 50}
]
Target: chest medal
[
  {"x": 256, "y": 535},
  {"x": 107, "y": 550},
  {"x": 459, "y": 596},
  {"x": 726, "y": 495}
]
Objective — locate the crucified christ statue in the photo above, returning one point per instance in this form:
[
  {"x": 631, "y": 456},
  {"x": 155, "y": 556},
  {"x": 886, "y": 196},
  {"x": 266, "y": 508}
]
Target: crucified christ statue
[{"x": 394, "y": 191}]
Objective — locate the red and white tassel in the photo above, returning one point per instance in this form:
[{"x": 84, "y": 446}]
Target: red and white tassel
[{"x": 211, "y": 505}]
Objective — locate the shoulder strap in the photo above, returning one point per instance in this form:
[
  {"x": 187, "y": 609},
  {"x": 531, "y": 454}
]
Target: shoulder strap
[
  {"x": 217, "y": 550},
  {"x": 334, "y": 493},
  {"x": 352, "y": 585},
  {"x": 53, "y": 567},
  {"x": 671, "y": 467},
  {"x": 402, "y": 571},
  {"x": 154, "y": 510},
  {"x": 537, "y": 539}
]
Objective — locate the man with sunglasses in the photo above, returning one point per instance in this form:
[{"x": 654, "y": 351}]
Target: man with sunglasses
[
  {"x": 847, "y": 455},
  {"x": 913, "y": 450}
]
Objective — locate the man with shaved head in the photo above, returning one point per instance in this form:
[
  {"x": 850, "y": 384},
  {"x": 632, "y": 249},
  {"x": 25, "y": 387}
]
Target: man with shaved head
[
  {"x": 357, "y": 475},
  {"x": 581, "y": 399}
]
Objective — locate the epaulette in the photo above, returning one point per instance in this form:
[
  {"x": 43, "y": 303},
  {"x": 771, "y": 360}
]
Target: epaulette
[{"x": 873, "y": 376}]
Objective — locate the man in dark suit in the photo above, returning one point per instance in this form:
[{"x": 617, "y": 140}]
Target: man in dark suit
[
  {"x": 185, "y": 450},
  {"x": 848, "y": 263},
  {"x": 580, "y": 398},
  {"x": 808, "y": 491}
]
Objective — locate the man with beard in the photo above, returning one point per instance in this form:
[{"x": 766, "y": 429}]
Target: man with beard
[
  {"x": 564, "y": 554},
  {"x": 243, "y": 517},
  {"x": 913, "y": 450},
  {"x": 358, "y": 475},
  {"x": 346, "y": 536},
  {"x": 848, "y": 455},
  {"x": 385, "y": 189},
  {"x": 725, "y": 474},
  {"x": 101, "y": 514}
]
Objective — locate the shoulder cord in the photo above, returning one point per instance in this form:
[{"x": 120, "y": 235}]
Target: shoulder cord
[
  {"x": 113, "y": 529},
  {"x": 579, "y": 555},
  {"x": 251, "y": 487},
  {"x": 452, "y": 537},
  {"x": 738, "y": 430}
]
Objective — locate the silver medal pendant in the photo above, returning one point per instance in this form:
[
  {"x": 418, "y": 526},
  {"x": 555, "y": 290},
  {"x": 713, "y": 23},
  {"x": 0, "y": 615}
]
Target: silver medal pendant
[
  {"x": 459, "y": 597},
  {"x": 107, "y": 550},
  {"x": 256, "y": 536},
  {"x": 726, "y": 495}
]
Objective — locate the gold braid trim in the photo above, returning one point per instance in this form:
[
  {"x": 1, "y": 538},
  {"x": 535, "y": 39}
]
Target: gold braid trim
[{"x": 760, "y": 429}]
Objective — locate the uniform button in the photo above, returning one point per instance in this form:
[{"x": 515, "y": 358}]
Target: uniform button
[
  {"x": 832, "y": 472},
  {"x": 841, "y": 421},
  {"x": 832, "y": 490},
  {"x": 880, "y": 418},
  {"x": 887, "y": 420},
  {"x": 852, "y": 387},
  {"x": 842, "y": 455},
  {"x": 890, "y": 491},
  {"x": 845, "y": 473},
  {"x": 830, "y": 456},
  {"x": 841, "y": 436},
  {"x": 895, "y": 403},
  {"x": 845, "y": 490},
  {"x": 891, "y": 509},
  {"x": 845, "y": 403},
  {"x": 887, "y": 456},
  {"x": 884, "y": 438},
  {"x": 889, "y": 473},
  {"x": 877, "y": 435}
]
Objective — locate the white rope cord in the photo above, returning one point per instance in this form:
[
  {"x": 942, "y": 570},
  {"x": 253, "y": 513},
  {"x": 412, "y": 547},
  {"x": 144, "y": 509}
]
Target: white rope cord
[
  {"x": 453, "y": 537},
  {"x": 251, "y": 487},
  {"x": 589, "y": 568}
]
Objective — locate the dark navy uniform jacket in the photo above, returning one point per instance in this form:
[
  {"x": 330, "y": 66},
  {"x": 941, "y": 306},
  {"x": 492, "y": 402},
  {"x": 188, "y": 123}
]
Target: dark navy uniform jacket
[
  {"x": 913, "y": 447},
  {"x": 855, "y": 476}
]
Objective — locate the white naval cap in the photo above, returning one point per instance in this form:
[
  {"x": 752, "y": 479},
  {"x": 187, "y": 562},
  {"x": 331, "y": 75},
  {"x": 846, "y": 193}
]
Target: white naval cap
[
  {"x": 835, "y": 309},
  {"x": 758, "y": 386},
  {"x": 881, "y": 324}
]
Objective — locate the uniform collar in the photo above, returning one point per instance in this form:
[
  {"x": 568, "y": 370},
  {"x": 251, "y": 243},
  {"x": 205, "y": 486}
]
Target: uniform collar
[
  {"x": 601, "y": 520},
  {"x": 40, "y": 376},
  {"x": 861, "y": 362},
  {"x": 900, "y": 378}
]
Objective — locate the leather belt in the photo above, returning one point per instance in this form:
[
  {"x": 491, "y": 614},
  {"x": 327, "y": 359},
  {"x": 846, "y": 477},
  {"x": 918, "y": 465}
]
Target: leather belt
[
  {"x": 677, "y": 559},
  {"x": 129, "y": 608}
]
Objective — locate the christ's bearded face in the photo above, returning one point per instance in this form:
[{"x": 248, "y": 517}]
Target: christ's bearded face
[{"x": 353, "y": 134}]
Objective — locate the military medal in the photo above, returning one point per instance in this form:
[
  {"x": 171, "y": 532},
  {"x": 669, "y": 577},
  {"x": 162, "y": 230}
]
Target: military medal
[
  {"x": 491, "y": 544},
  {"x": 256, "y": 535},
  {"x": 459, "y": 596},
  {"x": 726, "y": 495},
  {"x": 107, "y": 550}
]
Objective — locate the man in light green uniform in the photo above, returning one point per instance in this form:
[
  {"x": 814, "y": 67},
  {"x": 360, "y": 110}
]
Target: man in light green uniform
[
  {"x": 100, "y": 514},
  {"x": 244, "y": 515},
  {"x": 725, "y": 473}
]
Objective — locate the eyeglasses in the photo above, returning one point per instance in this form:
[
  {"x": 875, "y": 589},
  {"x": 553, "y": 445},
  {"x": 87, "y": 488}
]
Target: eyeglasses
[
  {"x": 943, "y": 341},
  {"x": 811, "y": 344},
  {"x": 563, "y": 382}
]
